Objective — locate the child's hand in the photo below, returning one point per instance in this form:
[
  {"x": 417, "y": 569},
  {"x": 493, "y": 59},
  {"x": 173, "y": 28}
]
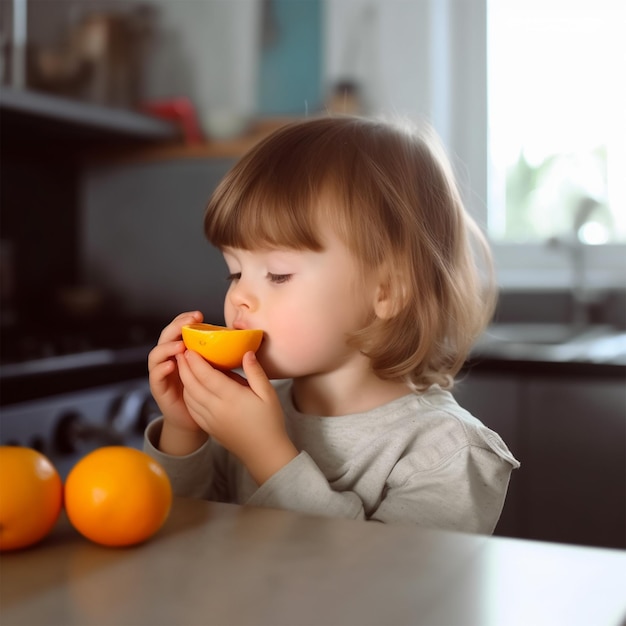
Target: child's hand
[
  {"x": 165, "y": 383},
  {"x": 245, "y": 416}
]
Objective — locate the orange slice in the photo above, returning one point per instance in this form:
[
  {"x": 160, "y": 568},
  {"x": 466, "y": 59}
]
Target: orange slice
[{"x": 222, "y": 347}]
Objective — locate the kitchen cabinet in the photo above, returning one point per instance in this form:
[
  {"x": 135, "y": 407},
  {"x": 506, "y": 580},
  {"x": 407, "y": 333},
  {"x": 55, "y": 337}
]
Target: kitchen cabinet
[
  {"x": 45, "y": 145},
  {"x": 569, "y": 434},
  {"x": 576, "y": 460},
  {"x": 48, "y": 146}
]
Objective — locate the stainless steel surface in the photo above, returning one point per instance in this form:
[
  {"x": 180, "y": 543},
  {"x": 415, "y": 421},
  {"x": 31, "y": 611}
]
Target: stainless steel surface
[
  {"x": 224, "y": 564},
  {"x": 554, "y": 342},
  {"x": 18, "y": 44},
  {"x": 73, "y": 361},
  {"x": 98, "y": 122},
  {"x": 67, "y": 426}
]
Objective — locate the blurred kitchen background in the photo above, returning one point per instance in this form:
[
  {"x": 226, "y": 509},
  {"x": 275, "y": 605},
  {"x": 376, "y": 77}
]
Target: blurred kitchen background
[{"x": 118, "y": 118}]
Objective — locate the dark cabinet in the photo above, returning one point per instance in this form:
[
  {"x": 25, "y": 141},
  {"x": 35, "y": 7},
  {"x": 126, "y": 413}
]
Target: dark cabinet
[
  {"x": 576, "y": 461},
  {"x": 45, "y": 145},
  {"x": 569, "y": 433}
]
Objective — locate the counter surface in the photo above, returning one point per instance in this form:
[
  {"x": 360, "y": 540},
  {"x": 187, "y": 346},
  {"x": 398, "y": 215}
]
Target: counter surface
[{"x": 224, "y": 564}]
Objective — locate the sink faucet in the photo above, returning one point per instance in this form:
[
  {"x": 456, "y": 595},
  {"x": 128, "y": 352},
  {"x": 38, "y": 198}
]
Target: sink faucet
[{"x": 576, "y": 247}]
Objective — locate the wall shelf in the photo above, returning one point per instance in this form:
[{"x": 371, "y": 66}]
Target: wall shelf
[
  {"x": 24, "y": 114},
  {"x": 47, "y": 144},
  {"x": 29, "y": 117},
  {"x": 232, "y": 148}
]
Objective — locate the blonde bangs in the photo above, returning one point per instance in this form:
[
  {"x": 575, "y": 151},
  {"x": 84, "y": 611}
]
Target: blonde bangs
[
  {"x": 257, "y": 217},
  {"x": 306, "y": 177},
  {"x": 272, "y": 196}
]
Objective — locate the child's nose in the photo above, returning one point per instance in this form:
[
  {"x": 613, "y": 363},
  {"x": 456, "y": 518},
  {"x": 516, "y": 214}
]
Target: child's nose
[{"x": 241, "y": 295}]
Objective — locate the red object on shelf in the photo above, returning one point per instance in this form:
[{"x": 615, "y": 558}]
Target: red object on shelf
[{"x": 180, "y": 111}]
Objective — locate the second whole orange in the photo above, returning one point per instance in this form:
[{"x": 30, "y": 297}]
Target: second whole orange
[{"x": 117, "y": 496}]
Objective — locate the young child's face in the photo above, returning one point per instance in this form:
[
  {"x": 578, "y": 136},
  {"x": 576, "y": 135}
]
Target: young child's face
[{"x": 306, "y": 303}]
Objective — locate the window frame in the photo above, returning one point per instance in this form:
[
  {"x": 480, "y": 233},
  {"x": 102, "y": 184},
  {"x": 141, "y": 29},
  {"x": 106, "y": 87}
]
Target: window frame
[
  {"x": 519, "y": 265},
  {"x": 427, "y": 60}
]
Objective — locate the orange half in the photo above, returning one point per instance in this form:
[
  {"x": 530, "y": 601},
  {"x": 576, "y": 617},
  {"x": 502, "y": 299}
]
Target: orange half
[{"x": 222, "y": 347}]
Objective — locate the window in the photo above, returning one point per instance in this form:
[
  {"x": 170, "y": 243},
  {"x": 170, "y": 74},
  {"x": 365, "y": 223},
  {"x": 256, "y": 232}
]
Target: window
[
  {"x": 529, "y": 98},
  {"x": 557, "y": 120}
]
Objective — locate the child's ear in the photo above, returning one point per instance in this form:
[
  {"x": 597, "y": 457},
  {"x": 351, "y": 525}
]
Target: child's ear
[{"x": 390, "y": 298}]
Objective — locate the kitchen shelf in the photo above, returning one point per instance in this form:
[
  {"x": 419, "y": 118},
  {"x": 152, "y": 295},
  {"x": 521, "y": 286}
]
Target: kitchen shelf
[
  {"x": 26, "y": 113},
  {"x": 113, "y": 134},
  {"x": 232, "y": 148}
]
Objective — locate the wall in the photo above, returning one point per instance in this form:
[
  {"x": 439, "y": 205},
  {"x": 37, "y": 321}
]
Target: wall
[
  {"x": 205, "y": 49},
  {"x": 142, "y": 238},
  {"x": 419, "y": 59},
  {"x": 290, "y": 62},
  {"x": 209, "y": 51}
]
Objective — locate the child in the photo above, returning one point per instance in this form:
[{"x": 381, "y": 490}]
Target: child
[{"x": 348, "y": 245}]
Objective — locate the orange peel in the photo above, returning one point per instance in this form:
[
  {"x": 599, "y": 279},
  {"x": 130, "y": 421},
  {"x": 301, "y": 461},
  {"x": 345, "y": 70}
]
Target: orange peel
[
  {"x": 222, "y": 347},
  {"x": 117, "y": 496},
  {"x": 31, "y": 497}
]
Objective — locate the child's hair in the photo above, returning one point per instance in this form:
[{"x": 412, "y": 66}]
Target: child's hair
[{"x": 389, "y": 194}]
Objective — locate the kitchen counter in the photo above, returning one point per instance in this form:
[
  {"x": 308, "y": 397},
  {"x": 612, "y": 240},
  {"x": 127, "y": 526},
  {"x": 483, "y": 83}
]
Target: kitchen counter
[
  {"x": 224, "y": 564},
  {"x": 552, "y": 349},
  {"x": 40, "y": 378}
]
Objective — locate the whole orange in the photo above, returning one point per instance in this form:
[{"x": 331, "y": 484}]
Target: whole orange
[
  {"x": 222, "y": 347},
  {"x": 117, "y": 496},
  {"x": 31, "y": 497}
]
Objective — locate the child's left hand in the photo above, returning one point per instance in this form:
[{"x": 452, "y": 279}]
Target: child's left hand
[{"x": 244, "y": 416}]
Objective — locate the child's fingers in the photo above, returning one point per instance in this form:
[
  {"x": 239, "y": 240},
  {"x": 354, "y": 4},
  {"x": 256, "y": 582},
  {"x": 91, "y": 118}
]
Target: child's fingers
[
  {"x": 185, "y": 373},
  {"x": 163, "y": 391},
  {"x": 256, "y": 376},
  {"x": 164, "y": 352},
  {"x": 191, "y": 366},
  {"x": 173, "y": 330},
  {"x": 196, "y": 315},
  {"x": 159, "y": 374},
  {"x": 199, "y": 376}
]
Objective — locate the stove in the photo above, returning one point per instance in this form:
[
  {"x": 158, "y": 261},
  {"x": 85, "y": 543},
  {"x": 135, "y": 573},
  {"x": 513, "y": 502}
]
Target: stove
[
  {"x": 30, "y": 341},
  {"x": 76, "y": 388},
  {"x": 66, "y": 426}
]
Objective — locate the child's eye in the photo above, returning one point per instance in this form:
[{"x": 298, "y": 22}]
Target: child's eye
[
  {"x": 234, "y": 276},
  {"x": 279, "y": 278}
]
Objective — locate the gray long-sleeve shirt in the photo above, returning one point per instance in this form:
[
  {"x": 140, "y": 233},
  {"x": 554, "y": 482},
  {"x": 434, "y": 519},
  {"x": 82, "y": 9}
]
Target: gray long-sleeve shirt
[{"x": 420, "y": 459}]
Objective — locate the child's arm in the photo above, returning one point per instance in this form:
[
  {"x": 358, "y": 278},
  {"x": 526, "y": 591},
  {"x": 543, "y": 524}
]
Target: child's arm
[
  {"x": 244, "y": 416},
  {"x": 466, "y": 493},
  {"x": 454, "y": 479},
  {"x": 192, "y": 475}
]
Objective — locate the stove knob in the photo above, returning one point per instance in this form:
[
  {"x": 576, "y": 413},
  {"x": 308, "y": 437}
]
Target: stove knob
[
  {"x": 126, "y": 412},
  {"x": 74, "y": 434},
  {"x": 149, "y": 411}
]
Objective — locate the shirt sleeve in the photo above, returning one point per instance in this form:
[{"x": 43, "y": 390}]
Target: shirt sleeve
[
  {"x": 464, "y": 493},
  {"x": 192, "y": 475},
  {"x": 301, "y": 486},
  {"x": 464, "y": 490}
]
